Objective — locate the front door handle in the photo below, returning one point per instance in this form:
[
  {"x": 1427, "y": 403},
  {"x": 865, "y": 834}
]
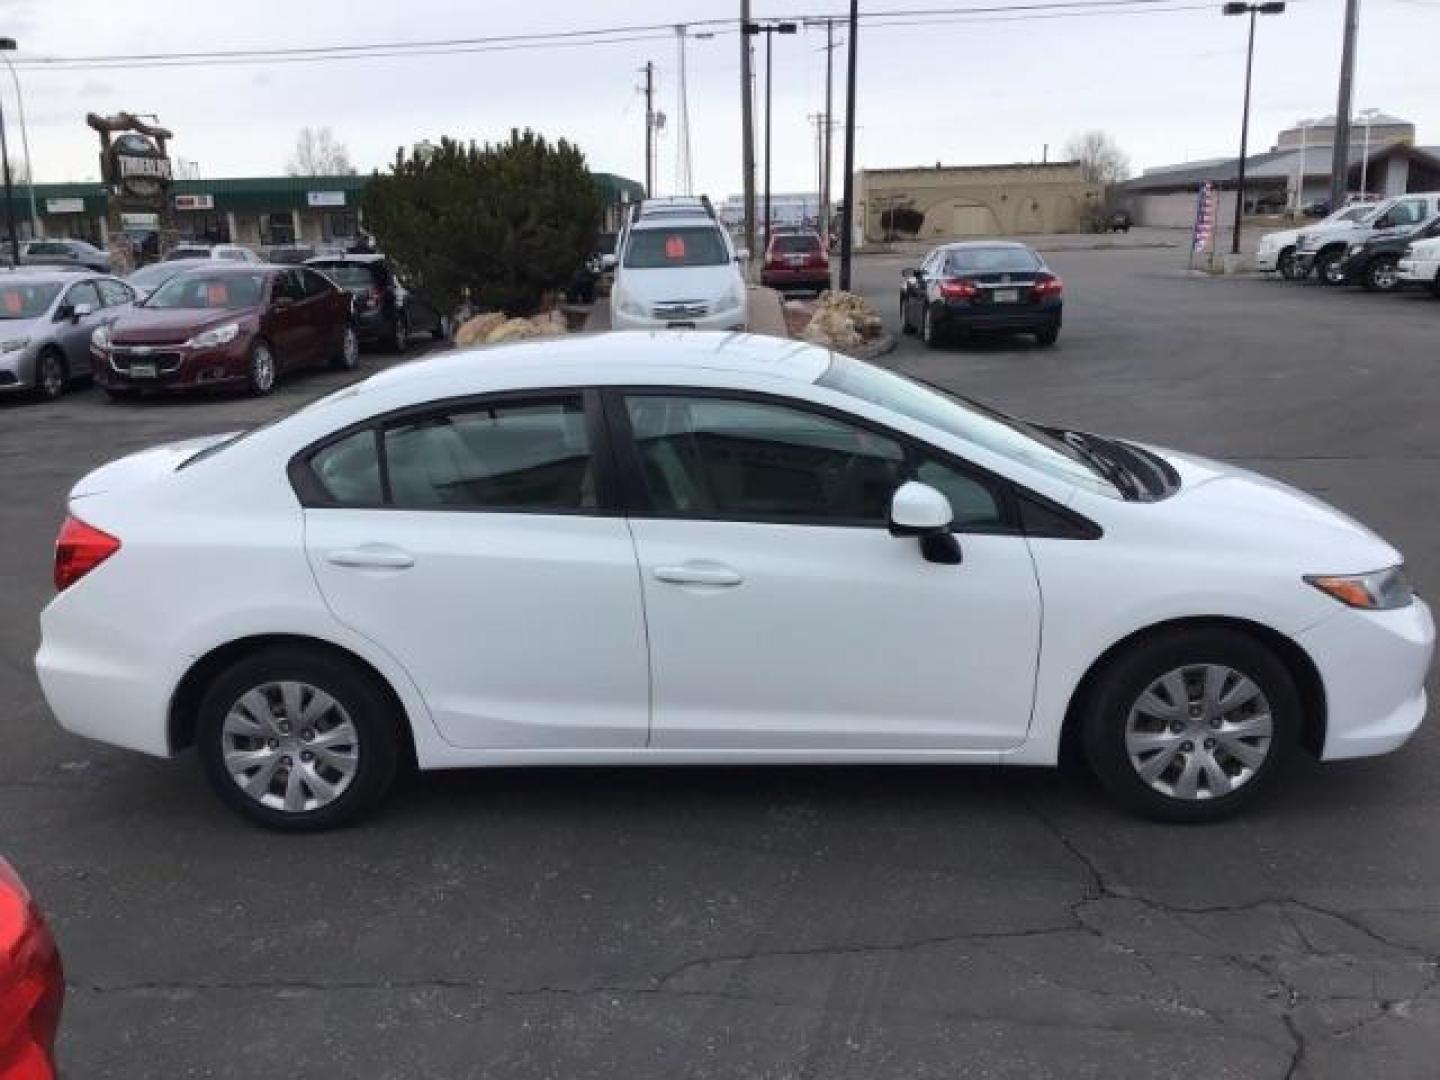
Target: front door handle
[
  {"x": 372, "y": 557},
  {"x": 699, "y": 574}
]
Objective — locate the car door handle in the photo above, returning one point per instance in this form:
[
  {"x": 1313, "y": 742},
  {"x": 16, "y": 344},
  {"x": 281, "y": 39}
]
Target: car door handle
[
  {"x": 370, "y": 557},
  {"x": 698, "y": 574}
]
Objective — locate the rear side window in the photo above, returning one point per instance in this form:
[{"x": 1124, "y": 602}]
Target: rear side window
[{"x": 531, "y": 456}]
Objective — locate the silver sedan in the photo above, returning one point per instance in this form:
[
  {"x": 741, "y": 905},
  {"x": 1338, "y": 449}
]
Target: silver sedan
[{"x": 46, "y": 319}]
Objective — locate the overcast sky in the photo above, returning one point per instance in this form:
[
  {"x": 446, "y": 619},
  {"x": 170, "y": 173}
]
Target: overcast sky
[{"x": 1167, "y": 85}]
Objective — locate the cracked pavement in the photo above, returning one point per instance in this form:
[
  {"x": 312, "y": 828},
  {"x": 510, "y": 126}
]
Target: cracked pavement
[{"x": 786, "y": 922}]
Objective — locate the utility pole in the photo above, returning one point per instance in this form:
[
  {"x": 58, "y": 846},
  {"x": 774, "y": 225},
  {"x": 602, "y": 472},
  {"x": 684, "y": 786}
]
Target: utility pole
[
  {"x": 829, "y": 129},
  {"x": 818, "y": 119},
  {"x": 747, "y": 131},
  {"x": 748, "y": 30},
  {"x": 1239, "y": 7},
  {"x": 649, "y": 70},
  {"x": 1340, "y": 159},
  {"x": 684, "y": 178},
  {"x": 848, "y": 218}
]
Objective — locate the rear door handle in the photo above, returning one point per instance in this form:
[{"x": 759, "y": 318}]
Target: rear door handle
[
  {"x": 699, "y": 574},
  {"x": 372, "y": 557}
]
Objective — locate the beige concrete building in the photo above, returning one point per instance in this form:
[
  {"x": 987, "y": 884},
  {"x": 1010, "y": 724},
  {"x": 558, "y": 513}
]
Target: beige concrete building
[{"x": 973, "y": 200}]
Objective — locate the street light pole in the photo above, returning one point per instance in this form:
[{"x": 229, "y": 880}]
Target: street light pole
[
  {"x": 769, "y": 30},
  {"x": 1368, "y": 115},
  {"x": 1273, "y": 7},
  {"x": 8, "y": 44},
  {"x": 848, "y": 180},
  {"x": 1299, "y": 204},
  {"x": 25, "y": 144}
]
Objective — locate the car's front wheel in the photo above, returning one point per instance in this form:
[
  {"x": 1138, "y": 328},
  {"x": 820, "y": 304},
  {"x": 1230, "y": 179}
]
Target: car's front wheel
[
  {"x": 50, "y": 375},
  {"x": 261, "y": 371},
  {"x": 298, "y": 739},
  {"x": 1329, "y": 267},
  {"x": 1286, "y": 264},
  {"x": 1191, "y": 725}
]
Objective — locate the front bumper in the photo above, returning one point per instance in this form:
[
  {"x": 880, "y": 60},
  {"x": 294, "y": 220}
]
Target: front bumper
[
  {"x": 1267, "y": 260},
  {"x": 17, "y": 370},
  {"x": 1373, "y": 665},
  {"x": 729, "y": 319},
  {"x": 177, "y": 367}
]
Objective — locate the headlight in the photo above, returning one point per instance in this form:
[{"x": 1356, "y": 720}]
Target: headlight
[
  {"x": 221, "y": 335},
  {"x": 631, "y": 307},
  {"x": 14, "y": 344},
  {"x": 101, "y": 337},
  {"x": 1379, "y": 590}
]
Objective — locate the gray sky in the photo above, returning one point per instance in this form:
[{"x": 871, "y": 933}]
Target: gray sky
[{"x": 1166, "y": 85}]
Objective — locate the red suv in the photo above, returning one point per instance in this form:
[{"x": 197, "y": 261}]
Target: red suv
[
  {"x": 227, "y": 325},
  {"x": 796, "y": 262}
]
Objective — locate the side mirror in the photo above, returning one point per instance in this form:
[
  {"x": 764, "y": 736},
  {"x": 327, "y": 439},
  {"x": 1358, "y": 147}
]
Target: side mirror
[
  {"x": 920, "y": 511},
  {"x": 909, "y": 272},
  {"x": 79, "y": 311}
]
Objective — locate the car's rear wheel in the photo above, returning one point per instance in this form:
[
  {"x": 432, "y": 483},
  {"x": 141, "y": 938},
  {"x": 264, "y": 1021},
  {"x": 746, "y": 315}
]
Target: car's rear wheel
[
  {"x": 1191, "y": 725},
  {"x": 399, "y": 333},
  {"x": 1048, "y": 336},
  {"x": 905, "y": 325},
  {"x": 1382, "y": 275},
  {"x": 348, "y": 358},
  {"x": 1435, "y": 286},
  {"x": 298, "y": 739},
  {"x": 1285, "y": 264},
  {"x": 261, "y": 371},
  {"x": 442, "y": 328},
  {"x": 50, "y": 375},
  {"x": 929, "y": 332},
  {"x": 1328, "y": 267}
]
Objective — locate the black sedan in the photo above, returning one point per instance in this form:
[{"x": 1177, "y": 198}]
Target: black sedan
[
  {"x": 981, "y": 285},
  {"x": 385, "y": 310},
  {"x": 1372, "y": 262}
]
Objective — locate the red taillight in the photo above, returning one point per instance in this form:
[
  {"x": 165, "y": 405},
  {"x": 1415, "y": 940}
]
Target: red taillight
[
  {"x": 32, "y": 985},
  {"x": 1047, "y": 285},
  {"x": 79, "y": 549},
  {"x": 818, "y": 260},
  {"x": 958, "y": 290}
]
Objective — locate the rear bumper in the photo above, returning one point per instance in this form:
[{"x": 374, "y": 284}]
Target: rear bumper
[
  {"x": 801, "y": 278},
  {"x": 1373, "y": 665},
  {"x": 959, "y": 315},
  {"x": 374, "y": 324}
]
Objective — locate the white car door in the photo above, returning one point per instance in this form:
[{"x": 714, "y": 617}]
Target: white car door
[
  {"x": 473, "y": 544},
  {"x": 783, "y": 615}
]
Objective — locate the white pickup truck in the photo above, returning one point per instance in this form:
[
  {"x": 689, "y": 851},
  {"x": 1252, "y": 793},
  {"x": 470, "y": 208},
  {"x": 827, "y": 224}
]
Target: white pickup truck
[
  {"x": 1420, "y": 265},
  {"x": 1322, "y": 248},
  {"x": 1276, "y": 253}
]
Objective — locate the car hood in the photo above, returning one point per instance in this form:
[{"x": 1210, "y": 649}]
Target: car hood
[
  {"x": 1245, "y": 510},
  {"x": 670, "y": 283},
  {"x": 10, "y": 329},
  {"x": 1281, "y": 238},
  {"x": 158, "y": 326}
]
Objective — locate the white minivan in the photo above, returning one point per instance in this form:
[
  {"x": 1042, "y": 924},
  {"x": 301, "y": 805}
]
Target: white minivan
[{"x": 677, "y": 269}]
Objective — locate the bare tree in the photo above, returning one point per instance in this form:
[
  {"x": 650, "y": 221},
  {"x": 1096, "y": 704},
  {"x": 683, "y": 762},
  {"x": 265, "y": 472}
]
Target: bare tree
[
  {"x": 319, "y": 153},
  {"x": 1100, "y": 157}
]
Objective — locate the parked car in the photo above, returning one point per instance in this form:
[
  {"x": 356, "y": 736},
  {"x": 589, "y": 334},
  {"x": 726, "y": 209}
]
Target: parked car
[
  {"x": 1323, "y": 248},
  {"x": 46, "y": 320},
  {"x": 1121, "y": 221},
  {"x": 796, "y": 261},
  {"x": 225, "y": 252},
  {"x": 149, "y": 278},
  {"x": 32, "y": 984},
  {"x": 291, "y": 254},
  {"x": 1276, "y": 253},
  {"x": 1419, "y": 265},
  {"x": 717, "y": 548},
  {"x": 80, "y": 254},
  {"x": 226, "y": 325},
  {"x": 385, "y": 310},
  {"x": 1374, "y": 261},
  {"x": 678, "y": 269},
  {"x": 985, "y": 285}
]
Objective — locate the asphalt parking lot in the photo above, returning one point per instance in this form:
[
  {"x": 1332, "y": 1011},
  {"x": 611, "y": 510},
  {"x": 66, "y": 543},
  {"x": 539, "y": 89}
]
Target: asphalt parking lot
[{"x": 785, "y": 922}]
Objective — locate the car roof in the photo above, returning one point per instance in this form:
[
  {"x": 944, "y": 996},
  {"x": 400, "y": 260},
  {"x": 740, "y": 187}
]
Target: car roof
[
  {"x": 369, "y": 257},
  {"x": 972, "y": 245},
  {"x": 624, "y": 355},
  {"x": 675, "y": 219},
  {"x": 27, "y": 275}
]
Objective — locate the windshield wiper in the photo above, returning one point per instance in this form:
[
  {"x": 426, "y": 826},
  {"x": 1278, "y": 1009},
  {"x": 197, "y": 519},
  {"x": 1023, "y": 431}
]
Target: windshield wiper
[{"x": 1125, "y": 481}]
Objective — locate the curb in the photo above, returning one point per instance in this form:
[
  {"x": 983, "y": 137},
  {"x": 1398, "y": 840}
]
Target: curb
[{"x": 881, "y": 346}]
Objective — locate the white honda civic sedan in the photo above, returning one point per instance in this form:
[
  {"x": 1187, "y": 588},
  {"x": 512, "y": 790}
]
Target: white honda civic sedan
[{"x": 713, "y": 548}]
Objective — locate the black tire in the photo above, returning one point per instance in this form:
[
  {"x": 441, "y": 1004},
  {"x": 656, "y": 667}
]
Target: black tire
[
  {"x": 1435, "y": 287},
  {"x": 1285, "y": 264},
  {"x": 1327, "y": 268},
  {"x": 930, "y": 334},
  {"x": 348, "y": 358},
  {"x": 260, "y": 382},
  {"x": 442, "y": 328},
  {"x": 369, "y": 710},
  {"x": 399, "y": 337},
  {"x": 1122, "y": 683},
  {"x": 51, "y": 375},
  {"x": 1048, "y": 336},
  {"x": 905, "y": 327},
  {"x": 1382, "y": 274}
]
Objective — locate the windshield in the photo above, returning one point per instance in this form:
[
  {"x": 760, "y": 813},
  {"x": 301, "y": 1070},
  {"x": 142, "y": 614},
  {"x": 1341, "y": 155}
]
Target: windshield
[
  {"x": 995, "y": 431},
  {"x": 1354, "y": 213},
  {"x": 347, "y": 275},
  {"x": 653, "y": 248},
  {"x": 26, "y": 301},
  {"x": 147, "y": 277},
  {"x": 201, "y": 290},
  {"x": 988, "y": 260}
]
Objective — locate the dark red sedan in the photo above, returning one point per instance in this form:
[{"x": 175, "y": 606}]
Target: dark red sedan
[
  {"x": 32, "y": 985},
  {"x": 796, "y": 262},
  {"x": 227, "y": 325}
]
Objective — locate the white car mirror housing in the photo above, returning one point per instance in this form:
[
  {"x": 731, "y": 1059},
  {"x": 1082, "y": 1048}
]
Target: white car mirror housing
[{"x": 919, "y": 511}]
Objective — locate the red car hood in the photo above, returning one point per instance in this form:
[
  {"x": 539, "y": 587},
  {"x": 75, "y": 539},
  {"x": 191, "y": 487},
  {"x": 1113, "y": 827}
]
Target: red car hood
[{"x": 170, "y": 326}]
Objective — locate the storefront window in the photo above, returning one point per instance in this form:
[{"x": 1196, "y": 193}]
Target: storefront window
[
  {"x": 339, "y": 225},
  {"x": 208, "y": 226},
  {"x": 278, "y": 229}
]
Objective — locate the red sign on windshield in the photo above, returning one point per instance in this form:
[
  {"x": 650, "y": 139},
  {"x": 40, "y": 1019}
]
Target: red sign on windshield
[{"x": 674, "y": 247}]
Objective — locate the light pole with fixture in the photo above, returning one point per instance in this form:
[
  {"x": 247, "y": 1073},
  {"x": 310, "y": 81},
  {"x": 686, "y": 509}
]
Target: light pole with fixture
[
  {"x": 8, "y": 45},
  {"x": 1368, "y": 115},
  {"x": 1304, "y": 126},
  {"x": 769, "y": 29},
  {"x": 1271, "y": 7}
]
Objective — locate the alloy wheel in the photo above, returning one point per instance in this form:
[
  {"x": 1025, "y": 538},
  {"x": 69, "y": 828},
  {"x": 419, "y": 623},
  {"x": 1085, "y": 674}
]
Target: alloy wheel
[
  {"x": 1384, "y": 275},
  {"x": 262, "y": 369},
  {"x": 350, "y": 349},
  {"x": 51, "y": 376},
  {"x": 290, "y": 746},
  {"x": 1199, "y": 732}
]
